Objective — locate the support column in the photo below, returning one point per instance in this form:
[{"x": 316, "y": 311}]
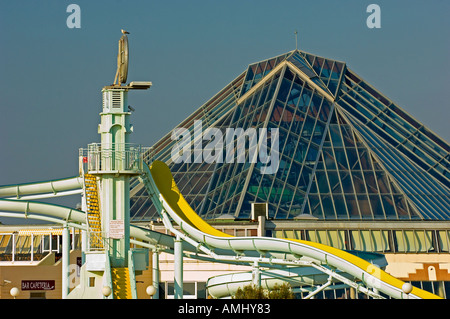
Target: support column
[
  {"x": 65, "y": 261},
  {"x": 261, "y": 226},
  {"x": 14, "y": 246},
  {"x": 32, "y": 247},
  {"x": 353, "y": 293},
  {"x": 256, "y": 274},
  {"x": 178, "y": 268},
  {"x": 155, "y": 274},
  {"x": 84, "y": 246}
]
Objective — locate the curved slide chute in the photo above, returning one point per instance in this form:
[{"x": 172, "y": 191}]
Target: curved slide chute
[
  {"x": 304, "y": 279},
  {"x": 59, "y": 187},
  {"x": 76, "y": 218},
  {"x": 167, "y": 197},
  {"x": 161, "y": 183}
]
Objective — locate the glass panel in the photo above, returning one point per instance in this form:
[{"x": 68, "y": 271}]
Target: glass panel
[
  {"x": 377, "y": 207},
  {"x": 298, "y": 61},
  {"x": 335, "y": 135},
  {"x": 189, "y": 288},
  {"x": 370, "y": 182},
  {"x": 352, "y": 206},
  {"x": 341, "y": 210},
  {"x": 346, "y": 181},
  {"x": 316, "y": 209},
  {"x": 317, "y": 236},
  {"x": 328, "y": 207},
  {"x": 380, "y": 240},
  {"x": 336, "y": 238},
  {"x": 355, "y": 239},
  {"x": 321, "y": 237},
  {"x": 388, "y": 206},
  {"x": 278, "y": 234},
  {"x": 423, "y": 241},
  {"x": 443, "y": 240},
  {"x": 405, "y": 241}
]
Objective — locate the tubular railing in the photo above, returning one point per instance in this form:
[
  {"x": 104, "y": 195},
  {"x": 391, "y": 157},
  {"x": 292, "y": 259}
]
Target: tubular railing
[
  {"x": 123, "y": 157},
  {"x": 97, "y": 241}
]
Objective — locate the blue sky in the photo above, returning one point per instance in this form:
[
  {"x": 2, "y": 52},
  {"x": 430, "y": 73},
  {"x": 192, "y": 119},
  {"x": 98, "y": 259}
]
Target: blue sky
[{"x": 51, "y": 76}]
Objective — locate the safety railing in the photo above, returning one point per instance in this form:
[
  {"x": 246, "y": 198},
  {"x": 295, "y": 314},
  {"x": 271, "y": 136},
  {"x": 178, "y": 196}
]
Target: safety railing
[
  {"x": 113, "y": 158},
  {"x": 97, "y": 241}
]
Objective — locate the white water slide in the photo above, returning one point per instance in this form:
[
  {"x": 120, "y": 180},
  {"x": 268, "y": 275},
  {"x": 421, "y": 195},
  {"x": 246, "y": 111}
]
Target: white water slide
[
  {"x": 17, "y": 201},
  {"x": 302, "y": 259},
  {"x": 269, "y": 251}
]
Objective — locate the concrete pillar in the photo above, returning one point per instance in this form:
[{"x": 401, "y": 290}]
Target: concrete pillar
[{"x": 261, "y": 226}]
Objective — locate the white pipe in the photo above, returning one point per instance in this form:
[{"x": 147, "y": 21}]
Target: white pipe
[
  {"x": 319, "y": 289},
  {"x": 54, "y": 186},
  {"x": 65, "y": 261},
  {"x": 178, "y": 268},
  {"x": 155, "y": 272},
  {"x": 49, "y": 195}
]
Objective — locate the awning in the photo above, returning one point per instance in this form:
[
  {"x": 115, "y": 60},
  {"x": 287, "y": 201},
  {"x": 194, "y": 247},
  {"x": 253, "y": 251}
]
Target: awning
[{"x": 41, "y": 231}]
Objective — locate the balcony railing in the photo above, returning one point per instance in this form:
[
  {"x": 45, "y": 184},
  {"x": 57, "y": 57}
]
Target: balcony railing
[
  {"x": 97, "y": 241},
  {"x": 113, "y": 158}
]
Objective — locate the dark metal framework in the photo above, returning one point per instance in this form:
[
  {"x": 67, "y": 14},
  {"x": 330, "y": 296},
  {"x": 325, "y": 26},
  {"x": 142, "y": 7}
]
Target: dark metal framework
[{"x": 346, "y": 152}]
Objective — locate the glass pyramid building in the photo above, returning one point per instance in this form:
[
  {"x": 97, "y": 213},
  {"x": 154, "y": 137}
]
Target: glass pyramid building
[{"x": 346, "y": 152}]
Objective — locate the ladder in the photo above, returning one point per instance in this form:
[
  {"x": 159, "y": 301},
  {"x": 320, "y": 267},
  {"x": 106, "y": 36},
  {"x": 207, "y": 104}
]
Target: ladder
[{"x": 93, "y": 212}]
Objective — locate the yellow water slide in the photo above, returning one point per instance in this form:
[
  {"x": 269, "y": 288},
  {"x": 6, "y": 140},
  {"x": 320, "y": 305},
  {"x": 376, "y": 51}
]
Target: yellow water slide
[{"x": 177, "y": 207}]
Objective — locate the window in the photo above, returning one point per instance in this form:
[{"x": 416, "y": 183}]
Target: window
[
  {"x": 443, "y": 240},
  {"x": 191, "y": 290},
  {"x": 414, "y": 241},
  {"x": 334, "y": 238},
  {"x": 405, "y": 241}
]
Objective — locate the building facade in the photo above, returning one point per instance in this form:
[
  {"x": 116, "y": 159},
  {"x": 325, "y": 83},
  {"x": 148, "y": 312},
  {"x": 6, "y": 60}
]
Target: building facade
[
  {"x": 345, "y": 166},
  {"x": 355, "y": 170}
]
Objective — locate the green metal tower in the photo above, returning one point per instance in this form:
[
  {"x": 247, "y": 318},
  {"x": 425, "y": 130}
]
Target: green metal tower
[{"x": 107, "y": 168}]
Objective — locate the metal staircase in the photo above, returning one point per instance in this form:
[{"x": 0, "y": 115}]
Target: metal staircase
[
  {"x": 93, "y": 212},
  {"x": 121, "y": 283}
]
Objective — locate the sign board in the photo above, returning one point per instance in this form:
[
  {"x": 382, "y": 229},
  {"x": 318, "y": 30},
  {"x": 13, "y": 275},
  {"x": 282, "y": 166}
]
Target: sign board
[
  {"x": 38, "y": 285},
  {"x": 116, "y": 229}
]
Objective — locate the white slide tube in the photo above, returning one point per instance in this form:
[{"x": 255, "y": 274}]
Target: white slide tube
[
  {"x": 74, "y": 218},
  {"x": 66, "y": 186},
  {"x": 370, "y": 275}
]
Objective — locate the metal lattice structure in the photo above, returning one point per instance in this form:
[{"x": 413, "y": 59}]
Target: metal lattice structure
[{"x": 346, "y": 151}]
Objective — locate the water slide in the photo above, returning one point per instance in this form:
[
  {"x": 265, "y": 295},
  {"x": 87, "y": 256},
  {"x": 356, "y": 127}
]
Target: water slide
[
  {"x": 17, "y": 201},
  {"x": 171, "y": 204},
  {"x": 202, "y": 241},
  {"x": 54, "y": 188},
  {"x": 301, "y": 279}
]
